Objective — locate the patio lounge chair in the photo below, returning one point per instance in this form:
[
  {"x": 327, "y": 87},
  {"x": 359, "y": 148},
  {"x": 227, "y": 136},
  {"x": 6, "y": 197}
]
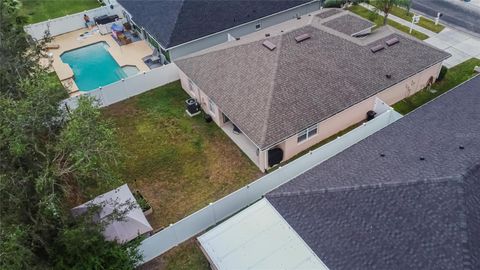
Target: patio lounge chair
[{"x": 153, "y": 57}]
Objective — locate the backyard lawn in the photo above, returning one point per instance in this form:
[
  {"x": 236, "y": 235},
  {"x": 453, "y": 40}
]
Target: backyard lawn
[
  {"x": 180, "y": 164},
  {"x": 41, "y": 10},
  {"x": 454, "y": 77},
  {"x": 378, "y": 20}
]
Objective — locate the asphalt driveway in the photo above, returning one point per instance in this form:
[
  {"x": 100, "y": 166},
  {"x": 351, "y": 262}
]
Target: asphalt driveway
[{"x": 457, "y": 13}]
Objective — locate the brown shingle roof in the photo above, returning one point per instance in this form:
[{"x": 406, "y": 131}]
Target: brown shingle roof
[{"x": 272, "y": 95}]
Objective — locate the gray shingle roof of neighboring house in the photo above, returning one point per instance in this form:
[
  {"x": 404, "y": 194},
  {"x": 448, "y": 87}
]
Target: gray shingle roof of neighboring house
[
  {"x": 362, "y": 210},
  {"x": 349, "y": 24},
  {"x": 174, "y": 22},
  {"x": 272, "y": 95}
]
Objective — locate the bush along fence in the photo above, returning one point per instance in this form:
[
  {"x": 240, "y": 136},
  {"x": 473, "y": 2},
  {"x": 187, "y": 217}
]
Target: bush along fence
[
  {"x": 68, "y": 23},
  {"x": 128, "y": 87},
  {"x": 218, "y": 211}
]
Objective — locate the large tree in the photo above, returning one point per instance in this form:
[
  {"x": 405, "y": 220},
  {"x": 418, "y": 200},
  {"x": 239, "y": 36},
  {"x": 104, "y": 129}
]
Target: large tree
[
  {"x": 386, "y": 6},
  {"x": 50, "y": 160}
]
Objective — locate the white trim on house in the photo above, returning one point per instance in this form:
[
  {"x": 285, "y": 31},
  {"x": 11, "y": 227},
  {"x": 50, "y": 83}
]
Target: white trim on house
[{"x": 258, "y": 238}]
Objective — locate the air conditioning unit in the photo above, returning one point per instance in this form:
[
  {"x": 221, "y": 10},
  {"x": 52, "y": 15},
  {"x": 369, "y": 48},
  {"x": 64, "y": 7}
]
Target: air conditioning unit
[{"x": 193, "y": 108}]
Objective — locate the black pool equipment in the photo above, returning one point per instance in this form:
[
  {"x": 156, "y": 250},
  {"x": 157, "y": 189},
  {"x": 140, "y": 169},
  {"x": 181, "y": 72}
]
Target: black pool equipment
[
  {"x": 371, "y": 115},
  {"x": 193, "y": 108},
  {"x": 275, "y": 156}
]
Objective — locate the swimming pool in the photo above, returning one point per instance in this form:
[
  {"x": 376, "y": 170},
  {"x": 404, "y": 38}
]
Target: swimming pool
[{"x": 93, "y": 66}]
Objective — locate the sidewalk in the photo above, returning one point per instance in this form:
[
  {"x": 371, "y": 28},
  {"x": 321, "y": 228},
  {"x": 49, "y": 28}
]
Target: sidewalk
[{"x": 460, "y": 45}]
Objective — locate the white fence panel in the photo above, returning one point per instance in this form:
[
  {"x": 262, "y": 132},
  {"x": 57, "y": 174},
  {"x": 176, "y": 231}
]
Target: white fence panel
[
  {"x": 234, "y": 202},
  {"x": 194, "y": 223},
  {"x": 151, "y": 247},
  {"x": 230, "y": 204},
  {"x": 67, "y": 23},
  {"x": 114, "y": 93},
  {"x": 129, "y": 87}
]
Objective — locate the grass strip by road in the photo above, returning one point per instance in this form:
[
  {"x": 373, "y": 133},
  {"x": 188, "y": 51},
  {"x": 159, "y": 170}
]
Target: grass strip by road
[
  {"x": 378, "y": 20},
  {"x": 454, "y": 77},
  {"x": 424, "y": 22},
  {"x": 42, "y": 10}
]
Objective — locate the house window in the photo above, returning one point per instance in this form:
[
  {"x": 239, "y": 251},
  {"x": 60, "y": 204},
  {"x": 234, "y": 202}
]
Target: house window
[
  {"x": 307, "y": 133},
  {"x": 212, "y": 107},
  {"x": 258, "y": 26}
]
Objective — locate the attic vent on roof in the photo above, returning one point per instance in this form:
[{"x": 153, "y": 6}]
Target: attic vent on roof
[
  {"x": 392, "y": 41},
  {"x": 377, "y": 48},
  {"x": 269, "y": 45},
  {"x": 301, "y": 38}
]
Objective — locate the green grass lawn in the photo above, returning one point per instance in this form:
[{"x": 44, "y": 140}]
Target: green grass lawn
[
  {"x": 424, "y": 22},
  {"x": 454, "y": 77},
  {"x": 378, "y": 20},
  {"x": 42, "y": 10},
  {"x": 179, "y": 163}
]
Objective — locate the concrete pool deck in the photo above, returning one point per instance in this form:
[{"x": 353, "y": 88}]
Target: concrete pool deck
[{"x": 130, "y": 54}]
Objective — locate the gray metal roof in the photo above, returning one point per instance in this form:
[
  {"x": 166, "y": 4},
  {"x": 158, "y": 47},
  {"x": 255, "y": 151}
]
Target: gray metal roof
[
  {"x": 362, "y": 210},
  {"x": 174, "y": 22},
  {"x": 272, "y": 95}
]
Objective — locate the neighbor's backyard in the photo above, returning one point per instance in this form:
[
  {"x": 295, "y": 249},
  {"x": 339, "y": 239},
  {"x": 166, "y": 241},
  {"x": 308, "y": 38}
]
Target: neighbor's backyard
[{"x": 42, "y": 10}]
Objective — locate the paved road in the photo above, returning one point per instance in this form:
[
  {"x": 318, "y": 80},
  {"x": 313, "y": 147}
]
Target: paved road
[{"x": 457, "y": 13}]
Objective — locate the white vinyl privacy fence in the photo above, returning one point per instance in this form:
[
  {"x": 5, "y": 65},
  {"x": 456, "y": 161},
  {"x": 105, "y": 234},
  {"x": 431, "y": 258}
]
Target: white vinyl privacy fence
[
  {"x": 216, "y": 212},
  {"x": 68, "y": 23},
  {"x": 128, "y": 87}
]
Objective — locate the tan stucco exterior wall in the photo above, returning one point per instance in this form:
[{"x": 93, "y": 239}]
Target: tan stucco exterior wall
[
  {"x": 335, "y": 123},
  {"x": 201, "y": 97},
  {"x": 357, "y": 113}
]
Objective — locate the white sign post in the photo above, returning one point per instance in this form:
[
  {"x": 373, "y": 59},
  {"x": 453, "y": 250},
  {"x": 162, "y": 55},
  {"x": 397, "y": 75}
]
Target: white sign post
[
  {"x": 437, "y": 19},
  {"x": 415, "y": 20}
]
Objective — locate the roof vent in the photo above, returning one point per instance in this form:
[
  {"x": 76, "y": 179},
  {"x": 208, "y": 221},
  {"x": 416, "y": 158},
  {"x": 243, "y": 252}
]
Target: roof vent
[
  {"x": 392, "y": 41},
  {"x": 377, "y": 48},
  {"x": 269, "y": 45},
  {"x": 301, "y": 38},
  {"x": 422, "y": 158},
  {"x": 461, "y": 147},
  {"x": 389, "y": 76},
  {"x": 267, "y": 34}
]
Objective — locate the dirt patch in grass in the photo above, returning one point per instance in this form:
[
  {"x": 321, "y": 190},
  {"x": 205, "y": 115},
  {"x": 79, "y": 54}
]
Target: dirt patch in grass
[{"x": 179, "y": 164}]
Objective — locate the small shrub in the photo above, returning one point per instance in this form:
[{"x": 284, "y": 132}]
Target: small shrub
[
  {"x": 333, "y": 4},
  {"x": 442, "y": 73}
]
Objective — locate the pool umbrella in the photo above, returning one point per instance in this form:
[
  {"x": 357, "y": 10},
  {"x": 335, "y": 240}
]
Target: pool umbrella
[{"x": 134, "y": 223}]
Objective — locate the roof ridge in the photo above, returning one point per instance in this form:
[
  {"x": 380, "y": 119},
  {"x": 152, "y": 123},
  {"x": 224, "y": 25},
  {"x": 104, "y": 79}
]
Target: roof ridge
[
  {"x": 464, "y": 225},
  {"x": 175, "y": 23},
  {"x": 268, "y": 108},
  {"x": 457, "y": 177}
]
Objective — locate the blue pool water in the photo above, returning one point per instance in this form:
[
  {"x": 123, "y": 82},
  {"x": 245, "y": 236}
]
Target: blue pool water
[{"x": 93, "y": 66}]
